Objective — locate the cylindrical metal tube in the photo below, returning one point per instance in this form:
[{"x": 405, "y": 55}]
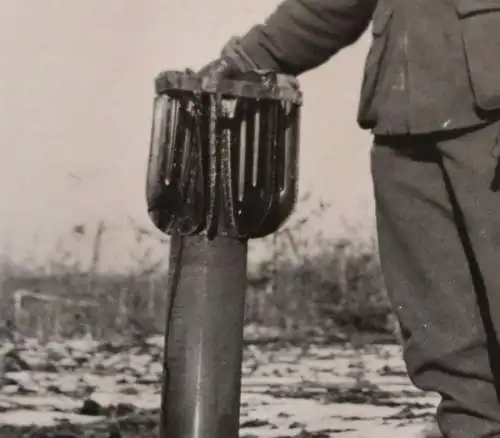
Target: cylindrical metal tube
[
  {"x": 216, "y": 178},
  {"x": 203, "y": 350}
]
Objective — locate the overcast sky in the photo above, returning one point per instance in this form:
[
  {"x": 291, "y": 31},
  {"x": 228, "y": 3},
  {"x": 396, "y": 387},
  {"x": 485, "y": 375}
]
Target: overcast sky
[{"x": 76, "y": 87}]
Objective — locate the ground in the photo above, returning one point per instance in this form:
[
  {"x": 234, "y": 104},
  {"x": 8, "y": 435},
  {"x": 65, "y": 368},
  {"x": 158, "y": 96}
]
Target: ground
[{"x": 83, "y": 388}]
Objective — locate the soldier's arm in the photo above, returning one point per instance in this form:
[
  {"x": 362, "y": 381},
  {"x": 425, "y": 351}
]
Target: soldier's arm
[{"x": 303, "y": 34}]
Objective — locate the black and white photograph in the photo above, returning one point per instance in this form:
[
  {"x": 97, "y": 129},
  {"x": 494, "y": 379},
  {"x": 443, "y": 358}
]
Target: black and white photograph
[{"x": 250, "y": 219}]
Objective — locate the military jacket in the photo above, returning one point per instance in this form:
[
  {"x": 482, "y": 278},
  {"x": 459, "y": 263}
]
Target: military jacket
[{"x": 432, "y": 65}]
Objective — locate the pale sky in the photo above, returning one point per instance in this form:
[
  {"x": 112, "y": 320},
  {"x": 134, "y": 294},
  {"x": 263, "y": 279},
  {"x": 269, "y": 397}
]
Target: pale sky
[{"x": 76, "y": 89}]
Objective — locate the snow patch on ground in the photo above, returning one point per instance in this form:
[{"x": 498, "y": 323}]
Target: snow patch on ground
[{"x": 335, "y": 391}]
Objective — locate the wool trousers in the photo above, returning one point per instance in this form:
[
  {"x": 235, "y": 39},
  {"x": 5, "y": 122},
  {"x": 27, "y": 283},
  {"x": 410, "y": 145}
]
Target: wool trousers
[{"x": 437, "y": 202}]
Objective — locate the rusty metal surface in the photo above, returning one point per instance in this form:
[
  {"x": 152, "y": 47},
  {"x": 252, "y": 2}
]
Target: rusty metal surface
[
  {"x": 286, "y": 163},
  {"x": 252, "y": 85},
  {"x": 212, "y": 149},
  {"x": 223, "y": 168},
  {"x": 203, "y": 350}
]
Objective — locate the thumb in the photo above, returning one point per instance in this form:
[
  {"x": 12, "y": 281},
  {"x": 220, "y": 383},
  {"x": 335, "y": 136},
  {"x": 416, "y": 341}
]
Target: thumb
[{"x": 222, "y": 69}]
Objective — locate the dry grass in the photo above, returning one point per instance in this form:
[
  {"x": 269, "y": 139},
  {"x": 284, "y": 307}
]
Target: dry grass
[{"x": 336, "y": 288}]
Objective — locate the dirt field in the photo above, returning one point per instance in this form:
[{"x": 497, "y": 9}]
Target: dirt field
[{"x": 94, "y": 390}]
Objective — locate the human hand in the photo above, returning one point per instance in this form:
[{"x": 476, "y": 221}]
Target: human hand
[{"x": 231, "y": 62}]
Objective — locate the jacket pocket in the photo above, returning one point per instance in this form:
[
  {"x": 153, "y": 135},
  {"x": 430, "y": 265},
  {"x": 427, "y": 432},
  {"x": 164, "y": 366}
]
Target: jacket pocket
[
  {"x": 373, "y": 63},
  {"x": 480, "y": 27},
  {"x": 380, "y": 21},
  {"x": 381, "y": 16}
]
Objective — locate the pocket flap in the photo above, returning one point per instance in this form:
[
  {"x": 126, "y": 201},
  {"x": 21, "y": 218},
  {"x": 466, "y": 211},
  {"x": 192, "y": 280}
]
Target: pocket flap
[
  {"x": 480, "y": 28},
  {"x": 381, "y": 17},
  {"x": 470, "y": 7}
]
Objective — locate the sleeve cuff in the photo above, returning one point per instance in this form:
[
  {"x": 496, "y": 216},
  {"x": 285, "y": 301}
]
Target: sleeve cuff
[{"x": 250, "y": 46}]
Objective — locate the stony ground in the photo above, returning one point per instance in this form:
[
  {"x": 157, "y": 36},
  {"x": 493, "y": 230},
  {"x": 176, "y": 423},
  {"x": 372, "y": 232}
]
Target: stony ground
[{"x": 82, "y": 388}]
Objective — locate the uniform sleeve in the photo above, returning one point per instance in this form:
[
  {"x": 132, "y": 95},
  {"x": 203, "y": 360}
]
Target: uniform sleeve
[{"x": 303, "y": 34}]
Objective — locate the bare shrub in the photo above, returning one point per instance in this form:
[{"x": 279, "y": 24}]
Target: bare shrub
[{"x": 335, "y": 288}]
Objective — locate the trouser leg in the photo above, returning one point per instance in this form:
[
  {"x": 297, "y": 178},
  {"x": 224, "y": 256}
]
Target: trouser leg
[{"x": 436, "y": 227}]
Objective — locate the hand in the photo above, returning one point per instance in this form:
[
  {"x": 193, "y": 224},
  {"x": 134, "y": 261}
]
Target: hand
[
  {"x": 232, "y": 61},
  {"x": 220, "y": 69}
]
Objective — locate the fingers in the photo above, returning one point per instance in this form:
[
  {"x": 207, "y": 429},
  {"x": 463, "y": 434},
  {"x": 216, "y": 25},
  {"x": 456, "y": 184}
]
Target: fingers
[
  {"x": 206, "y": 69},
  {"x": 218, "y": 71},
  {"x": 232, "y": 60}
]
